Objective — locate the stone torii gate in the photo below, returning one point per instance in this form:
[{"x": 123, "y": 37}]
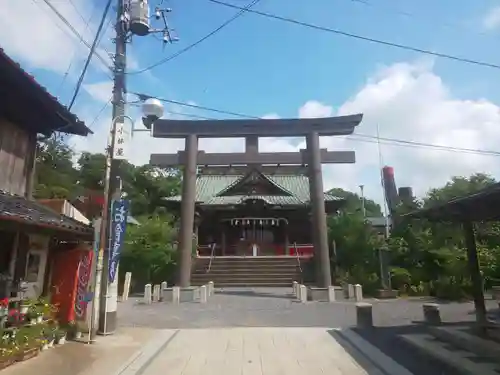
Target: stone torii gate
[{"x": 251, "y": 130}]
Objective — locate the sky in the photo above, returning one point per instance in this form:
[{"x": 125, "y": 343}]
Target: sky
[{"x": 268, "y": 68}]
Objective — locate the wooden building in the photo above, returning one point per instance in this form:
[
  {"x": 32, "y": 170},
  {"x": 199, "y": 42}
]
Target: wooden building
[
  {"x": 30, "y": 233},
  {"x": 253, "y": 212}
]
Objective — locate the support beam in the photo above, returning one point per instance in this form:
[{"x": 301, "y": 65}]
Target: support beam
[
  {"x": 187, "y": 211},
  {"x": 250, "y": 158},
  {"x": 327, "y": 126},
  {"x": 475, "y": 273},
  {"x": 320, "y": 233}
]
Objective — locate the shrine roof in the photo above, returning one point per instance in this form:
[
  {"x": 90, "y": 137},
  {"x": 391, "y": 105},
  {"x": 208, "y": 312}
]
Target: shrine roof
[{"x": 295, "y": 190}]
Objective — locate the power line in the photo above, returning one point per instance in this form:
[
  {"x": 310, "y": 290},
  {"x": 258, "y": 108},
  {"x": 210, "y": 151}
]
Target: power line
[
  {"x": 76, "y": 33},
  {"x": 100, "y": 112},
  {"x": 199, "y": 41},
  {"x": 91, "y": 53},
  {"x": 389, "y": 9},
  {"x": 361, "y": 37},
  {"x": 354, "y": 137},
  {"x": 87, "y": 24}
]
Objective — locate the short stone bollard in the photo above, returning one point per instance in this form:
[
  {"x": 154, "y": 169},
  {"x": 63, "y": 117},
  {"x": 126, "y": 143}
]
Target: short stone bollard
[
  {"x": 211, "y": 289},
  {"x": 176, "y": 294},
  {"x": 163, "y": 287},
  {"x": 147, "y": 294},
  {"x": 350, "y": 291},
  {"x": 431, "y": 313},
  {"x": 156, "y": 293},
  {"x": 126, "y": 286},
  {"x": 295, "y": 286},
  {"x": 331, "y": 294},
  {"x": 358, "y": 293},
  {"x": 302, "y": 293},
  {"x": 364, "y": 315},
  {"x": 203, "y": 294}
]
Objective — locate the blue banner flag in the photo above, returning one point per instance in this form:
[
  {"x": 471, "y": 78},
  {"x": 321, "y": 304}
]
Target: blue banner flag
[{"x": 119, "y": 213}]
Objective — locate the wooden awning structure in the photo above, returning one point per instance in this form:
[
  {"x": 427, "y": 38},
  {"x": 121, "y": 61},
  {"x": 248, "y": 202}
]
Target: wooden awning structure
[{"x": 480, "y": 206}]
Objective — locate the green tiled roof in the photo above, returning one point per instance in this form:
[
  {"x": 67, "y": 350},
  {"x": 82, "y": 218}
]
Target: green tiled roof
[{"x": 209, "y": 186}]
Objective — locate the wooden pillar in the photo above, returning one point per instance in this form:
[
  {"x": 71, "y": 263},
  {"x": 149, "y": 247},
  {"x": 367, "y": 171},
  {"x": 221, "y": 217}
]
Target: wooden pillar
[{"x": 475, "y": 273}]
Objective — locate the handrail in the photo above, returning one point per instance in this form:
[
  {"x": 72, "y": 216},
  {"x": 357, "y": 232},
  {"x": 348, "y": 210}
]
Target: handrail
[
  {"x": 211, "y": 257},
  {"x": 297, "y": 255}
]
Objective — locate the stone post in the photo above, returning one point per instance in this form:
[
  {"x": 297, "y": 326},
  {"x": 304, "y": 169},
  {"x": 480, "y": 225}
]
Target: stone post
[
  {"x": 364, "y": 315},
  {"x": 210, "y": 288},
  {"x": 302, "y": 294},
  {"x": 162, "y": 290},
  {"x": 203, "y": 294},
  {"x": 156, "y": 293},
  {"x": 126, "y": 286},
  {"x": 176, "y": 294},
  {"x": 431, "y": 313},
  {"x": 331, "y": 294},
  {"x": 147, "y": 294},
  {"x": 295, "y": 288},
  {"x": 317, "y": 198},
  {"x": 350, "y": 291},
  {"x": 187, "y": 210},
  {"x": 358, "y": 293}
]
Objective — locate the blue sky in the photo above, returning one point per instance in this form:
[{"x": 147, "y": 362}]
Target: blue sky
[
  {"x": 261, "y": 66},
  {"x": 274, "y": 67}
]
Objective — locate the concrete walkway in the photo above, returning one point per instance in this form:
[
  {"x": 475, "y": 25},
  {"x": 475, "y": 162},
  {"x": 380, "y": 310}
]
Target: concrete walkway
[
  {"x": 102, "y": 358},
  {"x": 259, "y": 351}
]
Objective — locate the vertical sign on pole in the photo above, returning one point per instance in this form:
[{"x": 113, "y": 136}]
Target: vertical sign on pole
[
  {"x": 119, "y": 212},
  {"x": 121, "y": 141}
]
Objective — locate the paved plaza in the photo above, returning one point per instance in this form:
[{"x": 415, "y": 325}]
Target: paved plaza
[{"x": 252, "y": 331}]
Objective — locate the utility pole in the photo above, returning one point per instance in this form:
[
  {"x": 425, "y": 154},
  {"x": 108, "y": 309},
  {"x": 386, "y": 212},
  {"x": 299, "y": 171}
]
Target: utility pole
[
  {"x": 107, "y": 301},
  {"x": 363, "y": 209},
  {"x": 132, "y": 19}
]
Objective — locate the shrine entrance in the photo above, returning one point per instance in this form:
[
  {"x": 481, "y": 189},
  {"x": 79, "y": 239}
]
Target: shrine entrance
[
  {"x": 226, "y": 193},
  {"x": 255, "y": 236}
]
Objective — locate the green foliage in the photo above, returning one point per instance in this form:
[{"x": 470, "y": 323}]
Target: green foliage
[
  {"x": 150, "y": 251},
  {"x": 425, "y": 258},
  {"x": 354, "y": 203}
]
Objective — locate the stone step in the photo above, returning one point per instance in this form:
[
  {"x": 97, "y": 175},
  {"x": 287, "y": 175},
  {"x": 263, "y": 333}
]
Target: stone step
[
  {"x": 247, "y": 270},
  {"x": 246, "y": 278},
  {"x": 463, "y": 338},
  {"x": 246, "y": 284},
  {"x": 463, "y": 362}
]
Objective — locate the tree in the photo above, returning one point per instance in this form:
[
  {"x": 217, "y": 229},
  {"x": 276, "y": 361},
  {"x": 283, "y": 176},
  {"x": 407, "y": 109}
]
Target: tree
[
  {"x": 150, "y": 250},
  {"x": 55, "y": 175},
  {"x": 353, "y": 203}
]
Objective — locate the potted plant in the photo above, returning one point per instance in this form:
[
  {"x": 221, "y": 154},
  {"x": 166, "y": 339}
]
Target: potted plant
[
  {"x": 74, "y": 330},
  {"x": 60, "y": 336},
  {"x": 8, "y": 355}
]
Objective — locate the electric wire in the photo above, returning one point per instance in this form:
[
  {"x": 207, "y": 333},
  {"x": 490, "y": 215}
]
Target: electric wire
[
  {"x": 360, "y": 37},
  {"x": 91, "y": 53},
  {"x": 199, "y": 41},
  {"x": 76, "y": 33},
  {"x": 354, "y": 137},
  {"x": 87, "y": 24}
]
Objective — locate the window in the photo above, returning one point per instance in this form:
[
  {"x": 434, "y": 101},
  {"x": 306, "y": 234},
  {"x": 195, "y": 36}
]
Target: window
[{"x": 33, "y": 267}]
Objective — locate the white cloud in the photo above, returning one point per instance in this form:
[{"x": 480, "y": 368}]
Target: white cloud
[
  {"x": 100, "y": 91},
  {"x": 41, "y": 39},
  {"x": 405, "y": 101},
  {"x": 491, "y": 20}
]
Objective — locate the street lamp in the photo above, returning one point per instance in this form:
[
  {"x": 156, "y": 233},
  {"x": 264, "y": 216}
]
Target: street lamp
[{"x": 152, "y": 110}]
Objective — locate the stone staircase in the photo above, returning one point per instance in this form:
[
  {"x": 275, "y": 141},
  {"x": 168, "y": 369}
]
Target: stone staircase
[
  {"x": 459, "y": 348},
  {"x": 247, "y": 272}
]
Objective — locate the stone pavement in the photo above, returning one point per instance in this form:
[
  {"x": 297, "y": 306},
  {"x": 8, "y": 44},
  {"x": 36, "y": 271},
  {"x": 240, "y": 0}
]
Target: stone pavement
[
  {"x": 102, "y": 358},
  {"x": 261, "y": 351}
]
